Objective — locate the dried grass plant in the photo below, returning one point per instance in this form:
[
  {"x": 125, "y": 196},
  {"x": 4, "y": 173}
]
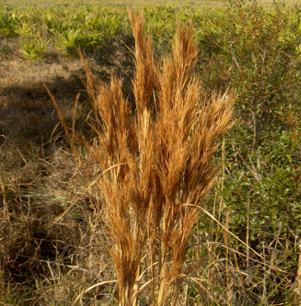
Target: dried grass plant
[{"x": 155, "y": 165}]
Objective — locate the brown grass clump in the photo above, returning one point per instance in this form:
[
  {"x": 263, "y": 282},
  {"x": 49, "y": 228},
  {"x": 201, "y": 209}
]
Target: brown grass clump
[{"x": 155, "y": 165}]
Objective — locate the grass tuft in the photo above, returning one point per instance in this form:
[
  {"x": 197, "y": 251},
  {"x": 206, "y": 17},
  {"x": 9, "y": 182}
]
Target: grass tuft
[{"x": 155, "y": 163}]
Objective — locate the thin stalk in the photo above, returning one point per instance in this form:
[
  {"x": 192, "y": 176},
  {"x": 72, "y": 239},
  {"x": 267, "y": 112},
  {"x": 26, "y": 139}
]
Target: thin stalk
[{"x": 248, "y": 240}]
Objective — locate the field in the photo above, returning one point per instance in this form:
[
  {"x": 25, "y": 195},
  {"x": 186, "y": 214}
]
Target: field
[
  {"x": 108, "y": 3},
  {"x": 113, "y": 192}
]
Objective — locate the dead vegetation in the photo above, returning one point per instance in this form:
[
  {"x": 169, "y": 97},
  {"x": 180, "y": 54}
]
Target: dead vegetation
[{"x": 154, "y": 165}]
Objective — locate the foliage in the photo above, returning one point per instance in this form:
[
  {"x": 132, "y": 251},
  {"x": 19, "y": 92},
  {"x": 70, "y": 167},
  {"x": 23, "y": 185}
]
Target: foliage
[{"x": 34, "y": 47}]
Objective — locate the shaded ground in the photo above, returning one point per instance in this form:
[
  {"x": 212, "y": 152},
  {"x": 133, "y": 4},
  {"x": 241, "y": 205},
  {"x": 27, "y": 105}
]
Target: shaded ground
[{"x": 27, "y": 110}]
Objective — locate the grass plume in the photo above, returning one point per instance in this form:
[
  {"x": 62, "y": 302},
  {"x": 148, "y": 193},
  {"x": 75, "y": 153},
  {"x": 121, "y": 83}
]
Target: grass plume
[{"x": 155, "y": 164}]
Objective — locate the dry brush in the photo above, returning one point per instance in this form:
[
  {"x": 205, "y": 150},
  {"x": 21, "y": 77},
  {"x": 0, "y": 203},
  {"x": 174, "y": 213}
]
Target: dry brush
[{"x": 155, "y": 163}]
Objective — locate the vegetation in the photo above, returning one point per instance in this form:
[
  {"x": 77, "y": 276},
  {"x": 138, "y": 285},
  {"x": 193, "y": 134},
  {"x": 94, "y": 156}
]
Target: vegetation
[{"x": 138, "y": 140}]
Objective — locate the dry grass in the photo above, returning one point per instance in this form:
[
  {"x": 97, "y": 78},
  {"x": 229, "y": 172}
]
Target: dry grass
[
  {"x": 42, "y": 262},
  {"x": 155, "y": 165}
]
